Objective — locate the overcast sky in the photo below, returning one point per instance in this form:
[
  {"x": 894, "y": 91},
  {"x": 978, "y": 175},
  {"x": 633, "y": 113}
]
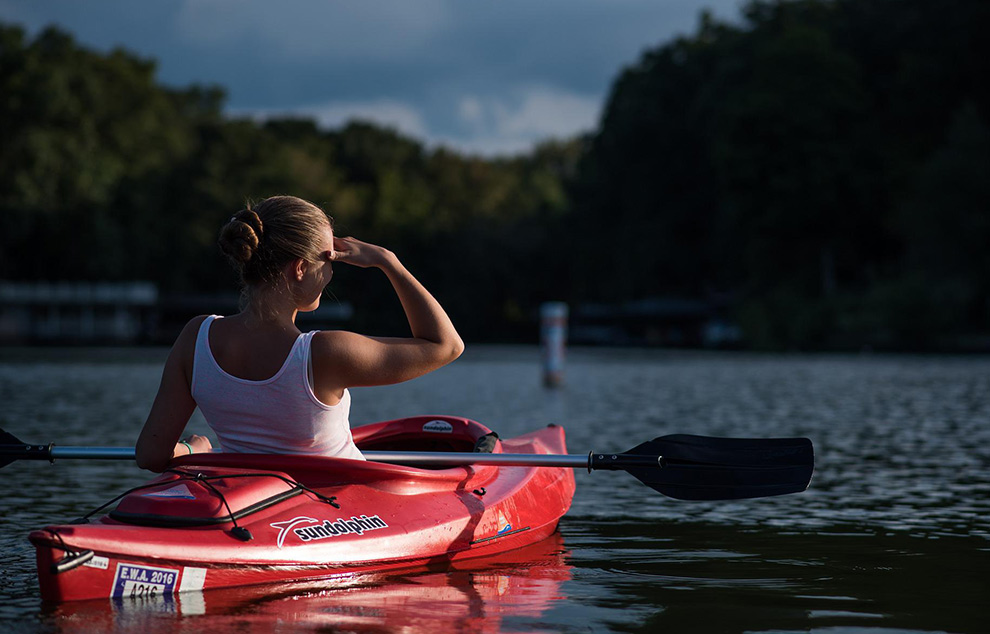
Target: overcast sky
[{"x": 488, "y": 77}]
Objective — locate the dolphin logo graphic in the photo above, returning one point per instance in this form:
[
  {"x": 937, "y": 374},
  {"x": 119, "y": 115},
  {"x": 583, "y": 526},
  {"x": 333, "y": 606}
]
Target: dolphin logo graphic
[{"x": 288, "y": 525}]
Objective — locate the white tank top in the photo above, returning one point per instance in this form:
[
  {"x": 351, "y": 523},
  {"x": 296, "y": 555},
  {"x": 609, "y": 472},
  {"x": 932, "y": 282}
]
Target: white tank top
[{"x": 278, "y": 415}]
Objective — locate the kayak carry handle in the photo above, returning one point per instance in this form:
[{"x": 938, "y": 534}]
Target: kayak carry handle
[{"x": 71, "y": 560}]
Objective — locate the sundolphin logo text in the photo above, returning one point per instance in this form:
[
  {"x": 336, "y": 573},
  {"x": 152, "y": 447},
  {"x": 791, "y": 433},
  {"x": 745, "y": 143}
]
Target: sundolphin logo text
[{"x": 356, "y": 525}]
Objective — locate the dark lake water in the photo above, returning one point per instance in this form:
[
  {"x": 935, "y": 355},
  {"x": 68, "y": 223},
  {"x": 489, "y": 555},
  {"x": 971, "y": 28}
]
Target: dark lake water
[{"x": 892, "y": 536}]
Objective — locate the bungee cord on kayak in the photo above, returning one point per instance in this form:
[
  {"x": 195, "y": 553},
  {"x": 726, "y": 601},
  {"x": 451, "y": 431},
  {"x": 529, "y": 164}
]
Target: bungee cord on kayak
[
  {"x": 75, "y": 558},
  {"x": 185, "y": 476}
]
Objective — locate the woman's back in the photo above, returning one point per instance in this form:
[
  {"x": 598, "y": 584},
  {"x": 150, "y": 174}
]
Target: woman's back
[
  {"x": 255, "y": 407},
  {"x": 247, "y": 354}
]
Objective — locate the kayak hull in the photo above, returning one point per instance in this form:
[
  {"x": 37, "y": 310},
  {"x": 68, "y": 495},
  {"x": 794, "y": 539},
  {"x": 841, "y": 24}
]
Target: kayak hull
[
  {"x": 226, "y": 520},
  {"x": 476, "y": 596}
]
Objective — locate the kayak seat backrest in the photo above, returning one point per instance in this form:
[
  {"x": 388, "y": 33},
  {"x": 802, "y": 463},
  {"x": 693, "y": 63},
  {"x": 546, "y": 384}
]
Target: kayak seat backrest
[
  {"x": 422, "y": 433},
  {"x": 414, "y": 442}
]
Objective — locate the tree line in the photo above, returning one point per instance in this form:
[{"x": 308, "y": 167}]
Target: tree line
[
  {"x": 822, "y": 167},
  {"x": 826, "y": 164}
]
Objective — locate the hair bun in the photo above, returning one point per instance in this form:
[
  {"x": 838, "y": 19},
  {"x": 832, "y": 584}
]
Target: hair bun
[
  {"x": 251, "y": 219},
  {"x": 239, "y": 238}
]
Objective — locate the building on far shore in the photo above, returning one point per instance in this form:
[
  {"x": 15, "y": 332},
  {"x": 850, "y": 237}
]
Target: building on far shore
[
  {"x": 118, "y": 313},
  {"x": 660, "y": 321},
  {"x": 77, "y": 312}
]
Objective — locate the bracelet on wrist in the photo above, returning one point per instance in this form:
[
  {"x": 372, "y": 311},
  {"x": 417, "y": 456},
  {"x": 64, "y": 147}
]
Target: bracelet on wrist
[{"x": 188, "y": 446}]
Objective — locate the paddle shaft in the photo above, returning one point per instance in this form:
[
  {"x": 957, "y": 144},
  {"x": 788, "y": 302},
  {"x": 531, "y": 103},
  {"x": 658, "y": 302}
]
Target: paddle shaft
[
  {"x": 681, "y": 466},
  {"x": 590, "y": 461}
]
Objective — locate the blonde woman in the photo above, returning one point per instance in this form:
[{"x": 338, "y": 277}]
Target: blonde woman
[{"x": 262, "y": 385}]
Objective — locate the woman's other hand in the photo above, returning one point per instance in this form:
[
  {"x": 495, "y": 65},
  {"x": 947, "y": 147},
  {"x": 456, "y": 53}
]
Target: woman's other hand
[{"x": 199, "y": 444}]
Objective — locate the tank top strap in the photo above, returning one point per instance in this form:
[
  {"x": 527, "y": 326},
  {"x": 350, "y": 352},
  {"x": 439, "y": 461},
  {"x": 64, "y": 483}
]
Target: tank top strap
[
  {"x": 201, "y": 354},
  {"x": 307, "y": 342},
  {"x": 306, "y": 358}
]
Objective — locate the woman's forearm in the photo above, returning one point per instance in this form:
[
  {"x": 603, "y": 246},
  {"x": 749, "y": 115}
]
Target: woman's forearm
[{"x": 427, "y": 318}]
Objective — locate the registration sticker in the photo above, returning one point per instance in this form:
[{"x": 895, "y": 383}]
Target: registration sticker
[
  {"x": 143, "y": 582},
  {"x": 98, "y": 562}
]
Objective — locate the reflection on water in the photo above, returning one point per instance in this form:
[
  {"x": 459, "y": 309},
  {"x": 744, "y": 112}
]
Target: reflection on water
[
  {"x": 473, "y": 598},
  {"x": 894, "y": 534}
]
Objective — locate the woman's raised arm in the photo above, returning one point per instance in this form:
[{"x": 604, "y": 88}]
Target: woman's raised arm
[{"x": 357, "y": 360}]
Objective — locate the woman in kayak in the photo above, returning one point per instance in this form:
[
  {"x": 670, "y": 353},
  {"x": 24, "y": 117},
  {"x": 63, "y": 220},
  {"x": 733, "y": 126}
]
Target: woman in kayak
[{"x": 262, "y": 385}]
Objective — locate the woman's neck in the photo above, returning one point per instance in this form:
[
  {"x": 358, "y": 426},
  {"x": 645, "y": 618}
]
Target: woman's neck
[{"x": 269, "y": 308}]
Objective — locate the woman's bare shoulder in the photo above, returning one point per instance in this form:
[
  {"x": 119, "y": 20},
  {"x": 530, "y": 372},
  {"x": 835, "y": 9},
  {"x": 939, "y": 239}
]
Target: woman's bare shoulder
[
  {"x": 185, "y": 343},
  {"x": 191, "y": 329},
  {"x": 343, "y": 350},
  {"x": 329, "y": 342}
]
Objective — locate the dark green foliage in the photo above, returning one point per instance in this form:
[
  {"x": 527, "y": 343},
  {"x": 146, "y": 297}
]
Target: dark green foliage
[
  {"x": 824, "y": 161},
  {"x": 107, "y": 175}
]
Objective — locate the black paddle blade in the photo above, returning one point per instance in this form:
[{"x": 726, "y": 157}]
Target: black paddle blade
[
  {"x": 7, "y": 454},
  {"x": 705, "y": 468}
]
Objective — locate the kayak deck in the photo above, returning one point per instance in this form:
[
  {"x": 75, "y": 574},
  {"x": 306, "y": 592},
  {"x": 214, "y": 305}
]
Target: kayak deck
[{"x": 222, "y": 520}]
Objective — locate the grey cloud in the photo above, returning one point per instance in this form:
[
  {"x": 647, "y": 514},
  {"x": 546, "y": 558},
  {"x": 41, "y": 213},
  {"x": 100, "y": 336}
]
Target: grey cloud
[{"x": 420, "y": 60}]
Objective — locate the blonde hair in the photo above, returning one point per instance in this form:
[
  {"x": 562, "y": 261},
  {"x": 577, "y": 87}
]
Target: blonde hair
[{"x": 260, "y": 240}]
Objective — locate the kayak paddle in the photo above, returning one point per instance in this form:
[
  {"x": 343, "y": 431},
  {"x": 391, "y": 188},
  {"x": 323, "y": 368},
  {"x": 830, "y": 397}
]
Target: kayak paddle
[{"x": 680, "y": 466}]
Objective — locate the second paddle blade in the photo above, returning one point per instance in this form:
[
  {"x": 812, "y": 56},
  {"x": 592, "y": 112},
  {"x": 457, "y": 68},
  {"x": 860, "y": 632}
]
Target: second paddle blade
[
  {"x": 706, "y": 468},
  {"x": 11, "y": 448}
]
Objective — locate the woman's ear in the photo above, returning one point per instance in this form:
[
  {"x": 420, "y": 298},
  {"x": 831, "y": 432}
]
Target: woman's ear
[{"x": 299, "y": 266}]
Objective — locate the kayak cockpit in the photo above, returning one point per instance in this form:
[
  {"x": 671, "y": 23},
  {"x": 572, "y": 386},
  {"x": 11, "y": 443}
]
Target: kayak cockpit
[
  {"x": 208, "y": 488},
  {"x": 422, "y": 433}
]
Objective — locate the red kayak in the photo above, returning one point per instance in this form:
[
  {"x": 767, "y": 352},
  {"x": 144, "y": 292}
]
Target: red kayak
[{"x": 223, "y": 520}]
